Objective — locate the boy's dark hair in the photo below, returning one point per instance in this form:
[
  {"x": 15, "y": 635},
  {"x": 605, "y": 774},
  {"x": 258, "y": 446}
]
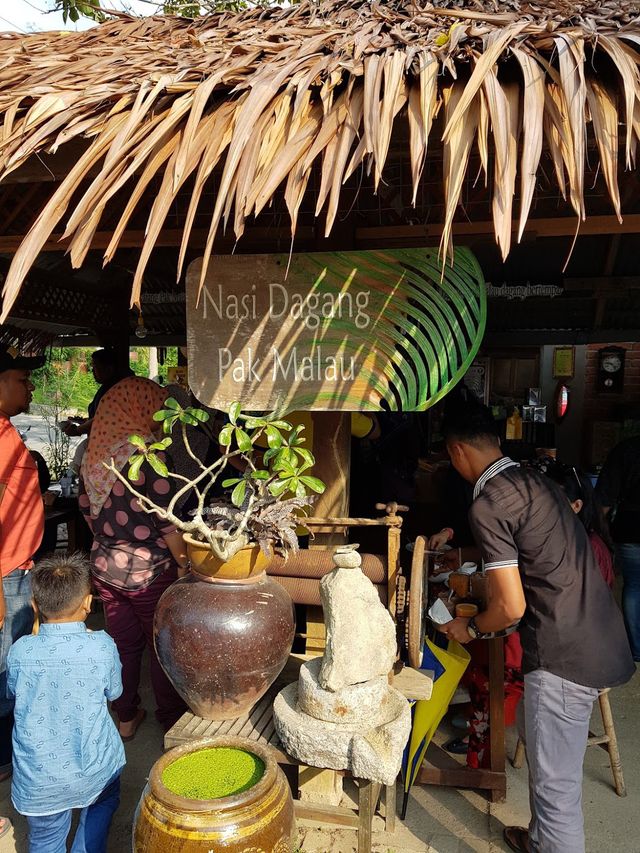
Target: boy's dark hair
[
  {"x": 60, "y": 583},
  {"x": 471, "y": 423}
]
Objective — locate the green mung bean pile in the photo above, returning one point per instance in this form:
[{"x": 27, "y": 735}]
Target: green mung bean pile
[{"x": 213, "y": 773}]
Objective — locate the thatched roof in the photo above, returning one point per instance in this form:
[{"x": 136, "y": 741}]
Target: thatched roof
[{"x": 265, "y": 96}]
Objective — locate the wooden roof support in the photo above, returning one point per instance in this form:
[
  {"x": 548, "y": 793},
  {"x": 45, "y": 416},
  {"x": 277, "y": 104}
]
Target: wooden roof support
[{"x": 378, "y": 235}]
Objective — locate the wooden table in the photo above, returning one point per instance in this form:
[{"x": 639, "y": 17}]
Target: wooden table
[
  {"x": 258, "y": 725},
  {"x": 69, "y": 514}
]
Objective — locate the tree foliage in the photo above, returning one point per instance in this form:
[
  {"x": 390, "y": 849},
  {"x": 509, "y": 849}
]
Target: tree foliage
[{"x": 98, "y": 10}]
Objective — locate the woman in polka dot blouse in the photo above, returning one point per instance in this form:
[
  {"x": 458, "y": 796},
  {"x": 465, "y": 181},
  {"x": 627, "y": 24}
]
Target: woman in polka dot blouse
[{"x": 135, "y": 555}]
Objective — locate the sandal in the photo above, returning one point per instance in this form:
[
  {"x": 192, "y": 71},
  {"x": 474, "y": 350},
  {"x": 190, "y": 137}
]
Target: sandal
[
  {"x": 458, "y": 746},
  {"x": 138, "y": 721},
  {"x": 6, "y": 826},
  {"x": 517, "y": 837}
]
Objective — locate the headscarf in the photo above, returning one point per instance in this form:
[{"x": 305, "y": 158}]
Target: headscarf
[{"x": 126, "y": 409}]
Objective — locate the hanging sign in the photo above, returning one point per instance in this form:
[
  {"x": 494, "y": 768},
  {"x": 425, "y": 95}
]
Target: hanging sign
[{"x": 339, "y": 331}]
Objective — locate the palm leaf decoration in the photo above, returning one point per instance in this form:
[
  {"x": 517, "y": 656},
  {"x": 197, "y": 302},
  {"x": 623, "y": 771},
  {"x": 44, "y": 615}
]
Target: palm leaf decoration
[{"x": 415, "y": 338}]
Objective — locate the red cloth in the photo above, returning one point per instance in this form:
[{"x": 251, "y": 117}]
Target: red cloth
[
  {"x": 477, "y": 680},
  {"x": 21, "y": 508},
  {"x": 604, "y": 558}
]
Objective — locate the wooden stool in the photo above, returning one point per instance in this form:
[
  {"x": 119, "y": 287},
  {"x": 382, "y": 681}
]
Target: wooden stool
[
  {"x": 258, "y": 725},
  {"x": 608, "y": 741}
]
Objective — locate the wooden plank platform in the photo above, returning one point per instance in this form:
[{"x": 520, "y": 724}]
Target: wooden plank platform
[{"x": 258, "y": 725}]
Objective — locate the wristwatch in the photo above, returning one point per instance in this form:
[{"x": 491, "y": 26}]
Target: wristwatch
[{"x": 474, "y": 632}]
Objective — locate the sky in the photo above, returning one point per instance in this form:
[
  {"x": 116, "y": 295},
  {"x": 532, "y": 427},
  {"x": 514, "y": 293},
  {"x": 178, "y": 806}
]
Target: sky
[{"x": 31, "y": 15}]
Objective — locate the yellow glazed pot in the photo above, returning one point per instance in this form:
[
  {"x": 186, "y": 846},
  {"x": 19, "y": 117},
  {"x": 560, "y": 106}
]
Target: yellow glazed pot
[
  {"x": 258, "y": 820},
  {"x": 246, "y": 563}
]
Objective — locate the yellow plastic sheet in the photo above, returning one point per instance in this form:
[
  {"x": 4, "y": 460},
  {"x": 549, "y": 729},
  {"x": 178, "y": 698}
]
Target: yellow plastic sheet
[{"x": 450, "y": 664}]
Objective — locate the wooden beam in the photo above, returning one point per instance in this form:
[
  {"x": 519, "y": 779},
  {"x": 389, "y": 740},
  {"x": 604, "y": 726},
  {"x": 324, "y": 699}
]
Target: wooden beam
[
  {"x": 612, "y": 284},
  {"x": 168, "y": 238},
  {"x": 365, "y": 237},
  {"x": 560, "y": 226}
]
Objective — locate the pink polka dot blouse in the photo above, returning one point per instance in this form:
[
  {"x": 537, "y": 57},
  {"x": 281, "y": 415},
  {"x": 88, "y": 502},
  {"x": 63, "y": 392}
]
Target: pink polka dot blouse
[{"x": 129, "y": 551}]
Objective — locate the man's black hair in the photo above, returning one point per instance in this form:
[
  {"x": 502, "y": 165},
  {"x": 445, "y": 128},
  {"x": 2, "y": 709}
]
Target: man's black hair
[
  {"x": 60, "y": 583},
  {"x": 471, "y": 423},
  {"x": 105, "y": 357}
]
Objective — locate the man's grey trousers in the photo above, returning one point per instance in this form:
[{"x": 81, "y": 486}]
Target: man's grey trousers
[{"x": 554, "y": 724}]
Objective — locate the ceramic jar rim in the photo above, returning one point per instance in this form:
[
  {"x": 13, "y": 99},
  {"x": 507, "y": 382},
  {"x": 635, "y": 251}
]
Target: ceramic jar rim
[
  {"x": 233, "y": 801},
  {"x": 198, "y": 543},
  {"x": 252, "y": 579}
]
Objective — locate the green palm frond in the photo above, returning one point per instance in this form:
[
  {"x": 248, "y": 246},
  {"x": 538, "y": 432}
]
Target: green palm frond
[{"x": 428, "y": 322}]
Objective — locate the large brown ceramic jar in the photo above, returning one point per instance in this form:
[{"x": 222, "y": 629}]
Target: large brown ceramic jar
[
  {"x": 223, "y": 642},
  {"x": 258, "y": 820}
]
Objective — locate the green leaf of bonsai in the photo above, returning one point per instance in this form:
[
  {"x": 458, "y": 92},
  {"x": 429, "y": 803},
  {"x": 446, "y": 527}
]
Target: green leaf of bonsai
[
  {"x": 187, "y": 418},
  {"x": 172, "y": 403},
  {"x": 306, "y": 455},
  {"x": 242, "y": 439},
  {"x": 163, "y": 414},
  {"x": 237, "y": 495},
  {"x": 158, "y": 465},
  {"x": 269, "y": 454},
  {"x": 199, "y": 414},
  {"x": 278, "y": 488},
  {"x": 234, "y": 412},
  {"x": 169, "y": 424},
  {"x": 285, "y": 425},
  {"x": 260, "y": 475},
  {"x": 274, "y": 439},
  {"x": 313, "y": 483},
  {"x": 226, "y": 484},
  {"x": 138, "y": 441},
  {"x": 253, "y": 423},
  {"x": 134, "y": 468},
  {"x": 225, "y": 435}
]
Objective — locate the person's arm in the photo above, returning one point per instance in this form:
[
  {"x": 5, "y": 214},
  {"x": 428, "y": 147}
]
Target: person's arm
[
  {"x": 506, "y": 606},
  {"x": 75, "y": 429},
  {"x": 177, "y": 546},
  {"x": 3, "y": 610},
  {"x": 493, "y": 530},
  {"x": 113, "y": 687},
  {"x": 437, "y": 540}
]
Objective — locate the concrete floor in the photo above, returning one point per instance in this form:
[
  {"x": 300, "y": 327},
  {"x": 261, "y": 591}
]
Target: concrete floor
[{"x": 439, "y": 820}]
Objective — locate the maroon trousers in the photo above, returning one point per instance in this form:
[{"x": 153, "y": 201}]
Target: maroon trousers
[{"x": 129, "y": 618}]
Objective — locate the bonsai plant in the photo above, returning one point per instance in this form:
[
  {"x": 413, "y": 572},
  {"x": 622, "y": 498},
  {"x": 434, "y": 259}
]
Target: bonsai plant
[
  {"x": 223, "y": 632},
  {"x": 269, "y": 485}
]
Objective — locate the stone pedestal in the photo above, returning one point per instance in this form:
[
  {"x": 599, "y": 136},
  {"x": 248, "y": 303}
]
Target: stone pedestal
[{"x": 342, "y": 714}]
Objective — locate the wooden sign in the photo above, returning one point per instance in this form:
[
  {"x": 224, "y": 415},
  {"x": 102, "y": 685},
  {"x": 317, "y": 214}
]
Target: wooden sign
[{"x": 340, "y": 331}]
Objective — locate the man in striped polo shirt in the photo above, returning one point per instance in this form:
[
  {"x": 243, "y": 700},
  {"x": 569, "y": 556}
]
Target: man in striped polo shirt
[{"x": 543, "y": 572}]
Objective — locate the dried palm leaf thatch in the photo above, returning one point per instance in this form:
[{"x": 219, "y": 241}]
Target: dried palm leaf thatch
[{"x": 265, "y": 96}]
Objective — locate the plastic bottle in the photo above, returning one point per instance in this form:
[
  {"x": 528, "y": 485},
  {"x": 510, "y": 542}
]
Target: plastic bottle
[
  {"x": 65, "y": 483},
  {"x": 514, "y": 426}
]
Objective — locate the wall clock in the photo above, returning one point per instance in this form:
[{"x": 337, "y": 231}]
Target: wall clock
[{"x": 610, "y": 376}]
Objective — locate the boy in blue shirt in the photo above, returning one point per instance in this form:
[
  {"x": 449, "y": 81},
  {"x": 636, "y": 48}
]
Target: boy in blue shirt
[{"x": 67, "y": 751}]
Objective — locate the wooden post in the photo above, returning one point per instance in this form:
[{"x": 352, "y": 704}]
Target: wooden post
[
  {"x": 332, "y": 451},
  {"x": 496, "y": 716},
  {"x": 117, "y": 336}
]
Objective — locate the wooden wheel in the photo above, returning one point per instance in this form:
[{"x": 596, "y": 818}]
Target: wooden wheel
[{"x": 417, "y": 604}]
